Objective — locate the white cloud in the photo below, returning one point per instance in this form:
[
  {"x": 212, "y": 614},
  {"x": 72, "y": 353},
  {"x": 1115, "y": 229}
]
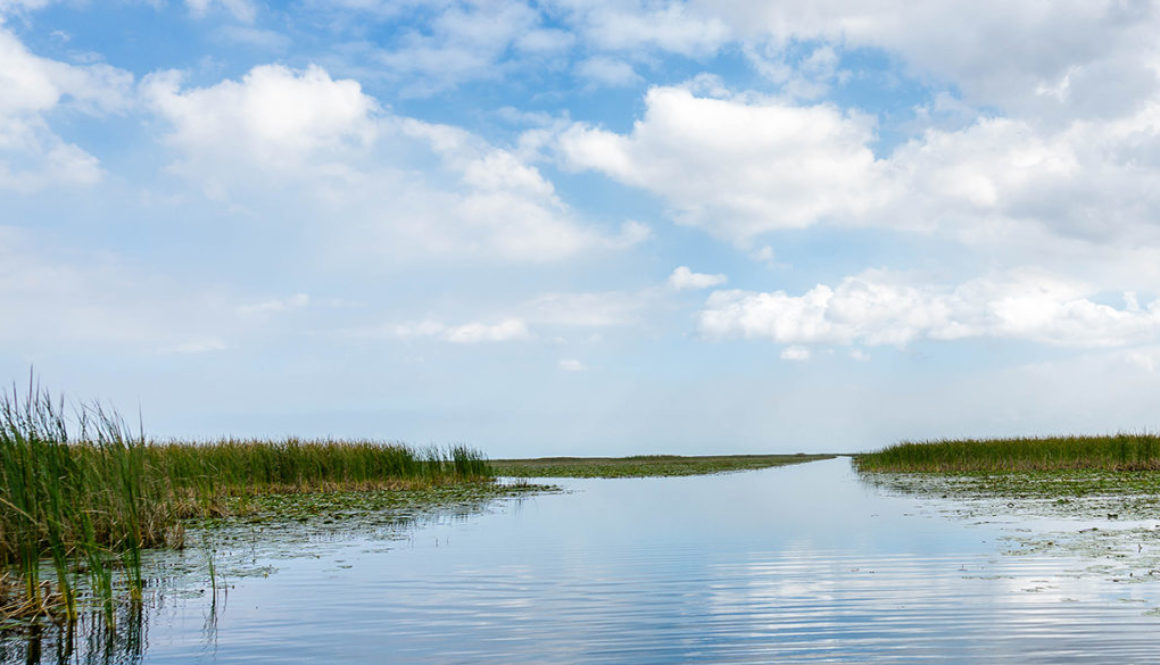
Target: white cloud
[
  {"x": 1067, "y": 59},
  {"x": 810, "y": 78},
  {"x": 34, "y": 158},
  {"x": 879, "y": 308},
  {"x": 268, "y": 40},
  {"x": 795, "y": 353},
  {"x": 446, "y": 44},
  {"x": 607, "y": 72},
  {"x": 633, "y": 26},
  {"x": 466, "y": 333},
  {"x": 242, "y": 10},
  {"x": 741, "y": 166},
  {"x": 683, "y": 278},
  {"x": 460, "y": 42},
  {"x": 738, "y": 168},
  {"x": 32, "y": 155},
  {"x": 274, "y": 115},
  {"x": 17, "y": 5},
  {"x": 544, "y": 41},
  {"x": 1090, "y": 181},
  {"x": 301, "y": 144},
  {"x": 571, "y": 365},
  {"x": 1078, "y": 56}
]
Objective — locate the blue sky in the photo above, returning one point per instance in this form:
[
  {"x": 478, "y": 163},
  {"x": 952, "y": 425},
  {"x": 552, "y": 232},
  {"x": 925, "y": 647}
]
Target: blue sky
[{"x": 586, "y": 227}]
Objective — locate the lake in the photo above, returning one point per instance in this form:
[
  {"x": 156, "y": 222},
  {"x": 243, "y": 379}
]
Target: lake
[{"x": 801, "y": 563}]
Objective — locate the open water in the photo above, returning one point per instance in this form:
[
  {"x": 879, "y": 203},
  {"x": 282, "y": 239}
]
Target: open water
[{"x": 792, "y": 564}]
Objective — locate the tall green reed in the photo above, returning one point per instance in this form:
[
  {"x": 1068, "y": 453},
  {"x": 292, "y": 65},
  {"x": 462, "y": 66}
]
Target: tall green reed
[
  {"x": 66, "y": 499},
  {"x": 1119, "y": 452},
  {"x": 83, "y": 488}
]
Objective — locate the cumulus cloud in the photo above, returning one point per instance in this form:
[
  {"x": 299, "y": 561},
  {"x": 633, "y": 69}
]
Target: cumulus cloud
[
  {"x": 1039, "y": 59},
  {"x": 1067, "y": 59},
  {"x": 32, "y": 155},
  {"x": 296, "y": 140},
  {"x": 741, "y": 166},
  {"x": 683, "y": 278},
  {"x": 274, "y": 115},
  {"x": 466, "y": 333},
  {"x": 737, "y": 167},
  {"x": 879, "y": 308}
]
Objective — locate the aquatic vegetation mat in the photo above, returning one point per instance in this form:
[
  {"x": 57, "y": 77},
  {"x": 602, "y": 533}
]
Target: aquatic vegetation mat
[{"x": 1109, "y": 521}]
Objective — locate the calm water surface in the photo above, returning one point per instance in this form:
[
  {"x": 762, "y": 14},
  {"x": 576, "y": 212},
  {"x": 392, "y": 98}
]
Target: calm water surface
[{"x": 802, "y": 563}]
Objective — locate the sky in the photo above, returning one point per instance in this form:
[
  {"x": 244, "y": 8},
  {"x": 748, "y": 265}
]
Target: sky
[{"x": 586, "y": 227}]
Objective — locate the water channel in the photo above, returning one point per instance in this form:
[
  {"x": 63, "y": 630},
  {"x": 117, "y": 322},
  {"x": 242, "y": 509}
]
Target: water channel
[{"x": 803, "y": 563}]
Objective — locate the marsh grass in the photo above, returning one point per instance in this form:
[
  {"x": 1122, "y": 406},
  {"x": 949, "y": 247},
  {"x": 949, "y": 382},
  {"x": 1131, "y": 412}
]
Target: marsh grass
[
  {"x": 641, "y": 465},
  {"x": 1120, "y": 452},
  {"x": 85, "y": 495}
]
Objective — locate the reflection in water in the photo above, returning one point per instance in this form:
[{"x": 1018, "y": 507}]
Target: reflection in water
[
  {"x": 790, "y": 564},
  {"x": 196, "y": 582},
  {"x": 88, "y": 641}
]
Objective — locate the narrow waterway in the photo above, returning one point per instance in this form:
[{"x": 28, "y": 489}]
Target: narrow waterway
[{"x": 800, "y": 563}]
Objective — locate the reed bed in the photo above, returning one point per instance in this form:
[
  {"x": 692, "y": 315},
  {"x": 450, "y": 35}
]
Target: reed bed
[
  {"x": 1120, "y": 452},
  {"x": 82, "y": 492}
]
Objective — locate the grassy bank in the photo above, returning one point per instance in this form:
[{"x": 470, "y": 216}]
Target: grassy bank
[
  {"x": 84, "y": 493},
  {"x": 1121, "y": 452},
  {"x": 641, "y": 465}
]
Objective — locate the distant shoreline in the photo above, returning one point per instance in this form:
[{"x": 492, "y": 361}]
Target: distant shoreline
[{"x": 641, "y": 466}]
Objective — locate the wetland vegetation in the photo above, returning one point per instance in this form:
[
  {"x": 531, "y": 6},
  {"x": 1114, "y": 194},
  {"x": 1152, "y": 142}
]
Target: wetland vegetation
[
  {"x": 87, "y": 504},
  {"x": 1119, "y": 452},
  {"x": 1102, "y": 492},
  {"x": 641, "y": 465},
  {"x": 1093, "y": 476},
  {"x": 82, "y": 495}
]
